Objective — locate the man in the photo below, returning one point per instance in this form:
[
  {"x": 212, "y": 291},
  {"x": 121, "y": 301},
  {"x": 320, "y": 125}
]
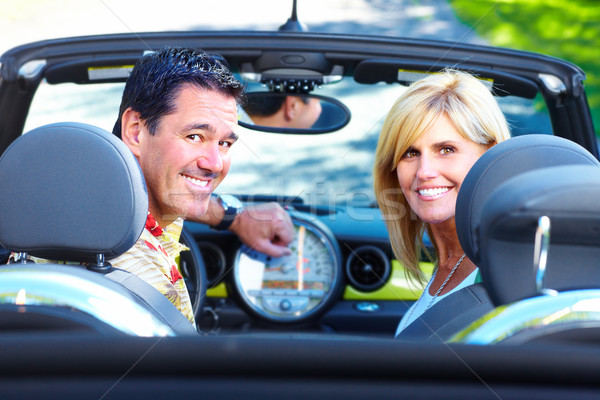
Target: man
[
  {"x": 280, "y": 111},
  {"x": 178, "y": 115}
]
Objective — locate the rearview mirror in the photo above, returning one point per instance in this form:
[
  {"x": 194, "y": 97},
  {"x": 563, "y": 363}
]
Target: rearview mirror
[{"x": 292, "y": 113}]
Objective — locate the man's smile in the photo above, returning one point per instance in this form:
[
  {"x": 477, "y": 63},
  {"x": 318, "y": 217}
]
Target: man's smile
[{"x": 196, "y": 181}]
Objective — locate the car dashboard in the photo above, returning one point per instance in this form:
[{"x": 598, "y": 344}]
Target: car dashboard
[{"x": 340, "y": 277}]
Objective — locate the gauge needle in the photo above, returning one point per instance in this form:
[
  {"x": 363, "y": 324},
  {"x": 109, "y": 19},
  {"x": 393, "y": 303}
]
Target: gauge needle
[{"x": 299, "y": 264}]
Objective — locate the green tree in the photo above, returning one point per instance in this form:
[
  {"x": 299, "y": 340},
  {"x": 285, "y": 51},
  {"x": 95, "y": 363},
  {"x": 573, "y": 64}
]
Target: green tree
[{"x": 569, "y": 30}]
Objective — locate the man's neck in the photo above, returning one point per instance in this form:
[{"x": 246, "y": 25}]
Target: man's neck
[{"x": 162, "y": 220}]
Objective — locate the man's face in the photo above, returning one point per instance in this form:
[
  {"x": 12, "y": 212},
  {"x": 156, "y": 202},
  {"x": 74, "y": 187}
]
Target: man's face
[
  {"x": 189, "y": 155},
  {"x": 306, "y": 114}
]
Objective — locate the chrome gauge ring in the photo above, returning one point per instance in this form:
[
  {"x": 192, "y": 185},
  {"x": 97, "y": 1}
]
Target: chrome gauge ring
[{"x": 294, "y": 288}]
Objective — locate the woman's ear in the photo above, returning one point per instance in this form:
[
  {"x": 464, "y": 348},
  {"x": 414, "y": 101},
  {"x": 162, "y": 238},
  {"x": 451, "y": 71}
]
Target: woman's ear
[{"x": 131, "y": 126}]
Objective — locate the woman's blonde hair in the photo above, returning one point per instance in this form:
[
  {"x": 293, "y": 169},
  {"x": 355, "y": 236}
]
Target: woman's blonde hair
[{"x": 475, "y": 114}]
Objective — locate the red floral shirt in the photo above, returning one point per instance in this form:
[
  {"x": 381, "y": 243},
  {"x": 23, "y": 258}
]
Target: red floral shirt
[{"x": 153, "y": 259}]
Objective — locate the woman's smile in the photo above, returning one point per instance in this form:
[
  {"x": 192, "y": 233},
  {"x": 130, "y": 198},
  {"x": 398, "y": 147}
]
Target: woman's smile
[{"x": 433, "y": 193}]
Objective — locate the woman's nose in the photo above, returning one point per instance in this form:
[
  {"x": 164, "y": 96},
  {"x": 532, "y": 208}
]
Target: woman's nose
[{"x": 428, "y": 168}]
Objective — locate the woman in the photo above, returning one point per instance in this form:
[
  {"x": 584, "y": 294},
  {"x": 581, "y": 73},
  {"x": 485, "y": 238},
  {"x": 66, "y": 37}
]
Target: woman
[{"x": 430, "y": 139}]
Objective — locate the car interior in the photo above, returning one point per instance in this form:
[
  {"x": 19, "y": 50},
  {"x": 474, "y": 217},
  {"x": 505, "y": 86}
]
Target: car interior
[
  {"x": 527, "y": 215},
  {"x": 360, "y": 288}
]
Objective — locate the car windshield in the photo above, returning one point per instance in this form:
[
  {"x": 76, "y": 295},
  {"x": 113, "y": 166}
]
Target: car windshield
[{"x": 320, "y": 169}]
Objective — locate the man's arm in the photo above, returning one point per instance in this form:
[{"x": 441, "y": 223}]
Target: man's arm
[{"x": 264, "y": 227}]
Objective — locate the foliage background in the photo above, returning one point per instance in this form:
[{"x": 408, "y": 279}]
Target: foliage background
[{"x": 567, "y": 29}]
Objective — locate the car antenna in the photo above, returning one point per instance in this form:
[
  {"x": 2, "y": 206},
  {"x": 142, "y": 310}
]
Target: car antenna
[{"x": 292, "y": 24}]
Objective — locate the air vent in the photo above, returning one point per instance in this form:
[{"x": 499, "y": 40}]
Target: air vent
[
  {"x": 214, "y": 262},
  {"x": 368, "y": 268}
]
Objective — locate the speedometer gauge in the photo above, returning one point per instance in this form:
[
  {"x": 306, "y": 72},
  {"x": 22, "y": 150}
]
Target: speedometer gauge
[{"x": 293, "y": 288}]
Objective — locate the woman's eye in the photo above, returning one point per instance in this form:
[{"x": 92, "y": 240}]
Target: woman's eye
[
  {"x": 447, "y": 150},
  {"x": 410, "y": 154}
]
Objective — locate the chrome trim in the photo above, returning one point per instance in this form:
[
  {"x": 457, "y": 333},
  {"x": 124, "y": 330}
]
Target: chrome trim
[
  {"x": 22, "y": 257},
  {"x": 32, "y": 69},
  {"x": 553, "y": 83},
  {"x": 561, "y": 311},
  {"x": 540, "y": 254},
  {"x": 100, "y": 260},
  {"x": 80, "y": 290}
]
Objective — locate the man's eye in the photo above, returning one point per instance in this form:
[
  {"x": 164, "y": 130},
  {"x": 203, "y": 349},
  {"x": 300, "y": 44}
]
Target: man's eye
[
  {"x": 225, "y": 144},
  {"x": 194, "y": 137}
]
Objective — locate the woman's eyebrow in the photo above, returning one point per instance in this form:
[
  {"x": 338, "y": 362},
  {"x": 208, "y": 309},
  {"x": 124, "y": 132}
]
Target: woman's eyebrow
[{"x": 445, "y": 143}]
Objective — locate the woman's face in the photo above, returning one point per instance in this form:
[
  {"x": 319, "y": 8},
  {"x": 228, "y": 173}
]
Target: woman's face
[{"x": 431, "y": 171}]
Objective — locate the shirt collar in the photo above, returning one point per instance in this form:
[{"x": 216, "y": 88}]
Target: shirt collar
[
  {"x": 153, "y": 226},
  {"x": 172, "y": 231}
]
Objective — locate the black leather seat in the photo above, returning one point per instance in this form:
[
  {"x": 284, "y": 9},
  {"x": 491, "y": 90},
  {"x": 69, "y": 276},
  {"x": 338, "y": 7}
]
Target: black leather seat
[
  {"x": 568, "y": 196},
  {"x": 500, "y": 163},
  {"x": 74, "y": 192},
  {"x": 501, "y": 199}
]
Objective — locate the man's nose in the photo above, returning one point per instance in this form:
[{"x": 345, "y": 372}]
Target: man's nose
[{"x": 210, "y": 158}]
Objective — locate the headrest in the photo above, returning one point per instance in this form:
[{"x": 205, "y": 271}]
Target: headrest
[
  {"x": 498, "y": 164},
  {"x": 70, "y": 191},
  {"x": 568, "y": 195}
]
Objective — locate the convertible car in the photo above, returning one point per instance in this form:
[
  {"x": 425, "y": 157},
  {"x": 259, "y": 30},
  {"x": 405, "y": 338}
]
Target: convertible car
[{"x": 319, "y": 323}]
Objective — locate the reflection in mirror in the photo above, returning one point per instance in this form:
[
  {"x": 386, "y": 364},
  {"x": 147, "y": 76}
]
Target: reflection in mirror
[{"x": 292, "y": 113}]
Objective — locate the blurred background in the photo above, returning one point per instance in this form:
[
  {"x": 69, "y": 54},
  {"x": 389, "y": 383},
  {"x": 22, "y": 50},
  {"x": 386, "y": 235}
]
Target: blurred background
[{"x": 565, "y": 29}]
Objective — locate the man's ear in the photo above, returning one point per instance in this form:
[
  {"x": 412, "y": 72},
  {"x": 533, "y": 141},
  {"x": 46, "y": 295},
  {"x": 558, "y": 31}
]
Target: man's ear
[
  {"x": 131, "y": 127},
  {"x": 290, "y": 107}
]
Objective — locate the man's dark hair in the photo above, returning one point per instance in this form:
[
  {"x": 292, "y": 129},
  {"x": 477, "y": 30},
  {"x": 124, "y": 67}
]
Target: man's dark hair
[
  {"x": 267, "y": 104},
  {"x": 157, "y": 77}
]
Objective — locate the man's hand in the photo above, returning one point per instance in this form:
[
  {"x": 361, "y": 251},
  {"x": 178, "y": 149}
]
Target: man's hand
[{"x": 266, "y": 228}]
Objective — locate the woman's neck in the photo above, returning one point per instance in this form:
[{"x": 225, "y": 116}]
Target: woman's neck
[
  {"x": 449, "y": 262},
  {"x": 447, "y": 244}
]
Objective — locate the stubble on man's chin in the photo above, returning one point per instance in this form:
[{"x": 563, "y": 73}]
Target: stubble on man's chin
[{"x": 185, "y": 212}]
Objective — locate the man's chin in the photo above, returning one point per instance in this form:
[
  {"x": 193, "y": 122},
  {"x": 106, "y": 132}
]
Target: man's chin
[
  {"x": 188, "y": 205},
  {"x": 197, "y": 210}
]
